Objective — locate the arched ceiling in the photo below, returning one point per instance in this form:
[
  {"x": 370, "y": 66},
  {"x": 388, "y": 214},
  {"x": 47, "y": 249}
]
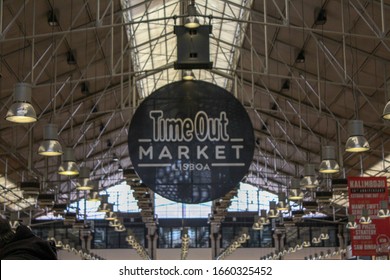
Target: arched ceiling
[{"x": 126, "y": 49}]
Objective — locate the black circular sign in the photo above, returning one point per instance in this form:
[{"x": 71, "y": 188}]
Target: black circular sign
[{"x": 191, "y": 141}]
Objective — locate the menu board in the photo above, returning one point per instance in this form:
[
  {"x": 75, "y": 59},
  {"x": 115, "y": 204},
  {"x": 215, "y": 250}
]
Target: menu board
[{"x": 367, "y": 193}]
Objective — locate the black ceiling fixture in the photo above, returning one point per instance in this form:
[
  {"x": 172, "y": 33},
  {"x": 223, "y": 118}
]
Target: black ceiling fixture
[
  {"x": 319, "y": 16},
  {"x": 193, "y": 49},
  {"x": 52, "y": 18},
  {"x": 300, "y": 57},
  {"x": 71, "y": 57}
]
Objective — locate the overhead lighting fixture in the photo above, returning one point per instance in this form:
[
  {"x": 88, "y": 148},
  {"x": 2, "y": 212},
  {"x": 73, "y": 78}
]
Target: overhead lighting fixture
[
  {"x": 50, "y": 145},
  {"x": 188, "y": 75},
  {"x": 191, "y": 22},
  {"x": 85, "y": 88},
  {"x": 329, "y": 164},
  {"x": 319, "y": 16},
  {"x": 356, "y": 141},
  {"x": 104, "y": 205},
  {"x": 115, "y": 223},
  {"x": 384, "y": 211},
  {"x": 285, "y": 85},
  {"x": 300, "y": 57},
  {"x": 115, "y": 157},
  {"x": 21, "y": 110},
  {"x": 351, "y": 222},
  {"x": 295, "y": 192},
  {"x": 263, "y": 219},
  {"x": 71, "y": 57},
  {"x": 94, "y": 193},
  {"x": 52, "y": 19},
  {"x": 120, "y": 228},
  {"x": 257, "y": 226},
  {"x": 84, "y": 183},
  {"x": 316, "y": 240},
  {"x": 386, "y": 111},
  {"x": 282, "y": 205},
  {"x": 110, "y": 216},
  {"x": 309, "y": 180},
  {"x": 272, "y": 213},
  {"x": 365, "y": 219},
  {"x": 324, "y": 235},
  {"x": 68, "y": 166}
]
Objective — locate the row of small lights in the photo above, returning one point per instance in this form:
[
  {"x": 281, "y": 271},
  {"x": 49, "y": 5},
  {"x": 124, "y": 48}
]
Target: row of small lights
[
  {"x": 304, "y": 244},
  {"x": 141, "y": 251},
  {"x": 185, "y": 243},
  {"x": 326, "y": 255},
  {"x": 237, "y": 243},
  {"x": 82, "y": 253},
  {"x": 290, "y": 250}
]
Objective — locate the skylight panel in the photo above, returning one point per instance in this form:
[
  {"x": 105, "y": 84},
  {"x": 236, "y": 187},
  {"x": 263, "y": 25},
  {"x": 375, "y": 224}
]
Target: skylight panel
[{"x": 154, "y": 44}]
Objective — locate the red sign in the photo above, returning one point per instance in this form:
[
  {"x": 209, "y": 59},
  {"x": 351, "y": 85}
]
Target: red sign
[{"x": 366, "y": 193}]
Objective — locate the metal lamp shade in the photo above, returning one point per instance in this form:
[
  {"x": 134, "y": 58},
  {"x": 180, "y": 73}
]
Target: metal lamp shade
[
  {"x": 272, "y": 213},
  {"x": 188, "y": 75},
  {"x": 282, "y": 205},
  {"x": 68, "y": 166},
  {"x": 309, "y": 181},
  {"x": 351, "y": 222},
  {"x": 93, "y": 196},
  {"x": 295, "y": 192},
  {"x": 104, "y": 205},
  {"x": 365, "y": 219},
  {"x": 50, "y": 145},
  {"x": 356, "y": 142},
  {"x": 191, "y": 21},
  {"x": 384, "y": 211},
  {"x": 120, "y": 228},
  {"x": 329, "y": 164},
  {"x": 84, "y": 183},
  {"x": 257, "y": 226},
  {"x": 21, "y": 110},
  {"x": 110, "y": 216},
  {"x": 386, "y": 111}
]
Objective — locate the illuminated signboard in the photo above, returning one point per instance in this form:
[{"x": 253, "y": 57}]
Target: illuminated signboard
[
  {"x": 191, "y": 141},
  {"x": 366, "y": 193}
]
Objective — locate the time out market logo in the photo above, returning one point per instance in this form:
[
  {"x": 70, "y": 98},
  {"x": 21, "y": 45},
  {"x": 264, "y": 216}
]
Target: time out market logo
[{"x": 191, "y": 141}]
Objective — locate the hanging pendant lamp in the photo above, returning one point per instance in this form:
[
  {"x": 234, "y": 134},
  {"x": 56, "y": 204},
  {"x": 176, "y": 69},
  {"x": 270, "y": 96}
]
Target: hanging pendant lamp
[
  {"x": 273, "y": 212},
  {"x": 50, "y": 145},
  {"x": 386, "y": 111},
  {"x": 191, "y": 21},
  {"x": 356, "y": 142},
  {"x": 295, "y": 192},
  {"x": 188, "y": 75},
  {"x": 309, "y": 180},
  {"x": 329, "y": 164},
  {"x": 68, "y": 166},
  {"x": 365, "y": 219},
  {"x": 351, "y": 222},
  {"x": 84, "y": 183},
  {"x": 94, "y": 193},
  {"x": 384, "y": 211},
  {"x": 21, "y": 110},
  {"x": 282, "y": 204}
]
